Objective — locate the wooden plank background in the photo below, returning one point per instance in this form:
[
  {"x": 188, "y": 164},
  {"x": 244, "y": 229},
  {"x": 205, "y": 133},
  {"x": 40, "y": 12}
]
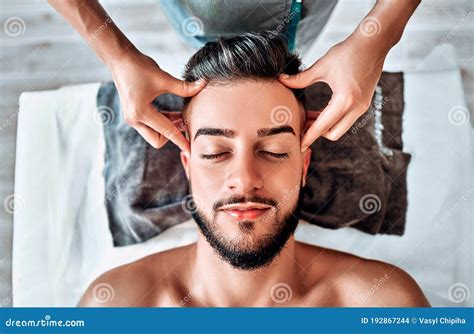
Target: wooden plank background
[{"x": 47, "y": 54}]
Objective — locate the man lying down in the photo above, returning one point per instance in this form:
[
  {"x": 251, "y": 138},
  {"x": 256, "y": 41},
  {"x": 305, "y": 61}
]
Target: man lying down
[{"x": 246, "y": 171}]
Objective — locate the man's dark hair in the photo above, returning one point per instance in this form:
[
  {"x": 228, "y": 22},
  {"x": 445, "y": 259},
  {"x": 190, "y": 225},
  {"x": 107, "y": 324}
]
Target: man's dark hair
[{"x": 251, "y": 56}]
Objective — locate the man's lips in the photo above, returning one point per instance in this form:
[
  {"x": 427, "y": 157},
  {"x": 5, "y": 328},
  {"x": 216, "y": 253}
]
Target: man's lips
[{"x": 245, "y": 210}]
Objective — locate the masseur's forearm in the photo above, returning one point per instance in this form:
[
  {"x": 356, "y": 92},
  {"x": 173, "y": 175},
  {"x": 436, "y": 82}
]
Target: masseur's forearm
[
  {"x": 93, "y": 23},
  {"x": 389, "y": 18}
]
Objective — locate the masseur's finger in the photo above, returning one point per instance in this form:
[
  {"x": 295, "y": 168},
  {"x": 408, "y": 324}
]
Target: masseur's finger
[
  {"x": 183, "y": 88},
  {"x": 311, "y": 116},
  {"x": 329, "y": 116},
  {"x": 151, "y": 136},
  {"x": 173, "y": 115},
  {"x": 340, "y": 128},
  {"x": 302, "y": 79},
  {"x": 162, "y": 125}
]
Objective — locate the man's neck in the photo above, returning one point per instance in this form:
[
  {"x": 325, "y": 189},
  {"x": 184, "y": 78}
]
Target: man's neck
[{"x": 218, "y": 283}]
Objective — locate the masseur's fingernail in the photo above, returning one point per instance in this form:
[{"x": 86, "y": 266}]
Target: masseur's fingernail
[
  {"x": 199, "y": 82},
  {"x": 285, "y": 76},
  {"x": 304, "y": 148}
]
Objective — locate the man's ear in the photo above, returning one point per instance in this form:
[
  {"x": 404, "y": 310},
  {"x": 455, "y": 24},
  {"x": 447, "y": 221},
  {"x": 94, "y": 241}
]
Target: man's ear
[
  {"x": 306, "y": 160},
  {"x": 185, "y": 158}
]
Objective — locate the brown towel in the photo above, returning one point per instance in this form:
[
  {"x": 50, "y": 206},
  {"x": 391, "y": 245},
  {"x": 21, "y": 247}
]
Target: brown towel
[{"x": 358, "y": 181}]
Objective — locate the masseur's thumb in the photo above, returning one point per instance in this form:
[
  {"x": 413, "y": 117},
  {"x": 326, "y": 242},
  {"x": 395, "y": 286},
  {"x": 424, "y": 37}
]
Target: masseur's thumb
[
  {"x": 183, "y": 88},
  {"x": 302, "y": 79}
]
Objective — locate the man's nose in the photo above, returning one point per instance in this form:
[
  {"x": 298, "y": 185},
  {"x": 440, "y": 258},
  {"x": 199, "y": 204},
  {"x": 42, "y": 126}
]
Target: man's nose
[{"x": 244, "y": 175}]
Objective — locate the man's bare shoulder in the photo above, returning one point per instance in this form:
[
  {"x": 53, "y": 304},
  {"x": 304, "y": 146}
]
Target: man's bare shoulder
[
  {"x": 140, "y": 283},
  {"x": 377, "y": 283},
  {"x": 359, "y": 281}
]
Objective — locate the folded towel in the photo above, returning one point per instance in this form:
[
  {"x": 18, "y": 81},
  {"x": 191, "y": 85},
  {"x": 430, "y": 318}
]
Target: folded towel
[{"x": 358, "y": 181}]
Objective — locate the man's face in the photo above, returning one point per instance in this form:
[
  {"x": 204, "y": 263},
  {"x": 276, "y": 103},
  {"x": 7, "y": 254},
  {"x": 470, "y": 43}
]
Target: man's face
[{"x": 245, "y": 168}]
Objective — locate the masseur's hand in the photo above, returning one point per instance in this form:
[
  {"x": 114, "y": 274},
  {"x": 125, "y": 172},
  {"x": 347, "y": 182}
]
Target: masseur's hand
[
  {"x": 352, "y": 72},
  {"x": 352, "y": 69},
  {"x": 139, "y": 80}
]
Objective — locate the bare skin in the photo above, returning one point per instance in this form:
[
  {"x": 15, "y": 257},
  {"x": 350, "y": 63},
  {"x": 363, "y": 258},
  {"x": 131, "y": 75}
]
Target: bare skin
[
  {"x": 316, "y": 277},
  {"x": 301, "y": 275}
]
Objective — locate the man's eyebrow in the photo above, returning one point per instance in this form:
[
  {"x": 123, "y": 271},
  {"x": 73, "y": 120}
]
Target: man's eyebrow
[
  {"x": 264, "y": 132},
  {"x": 228, "y": 133}
]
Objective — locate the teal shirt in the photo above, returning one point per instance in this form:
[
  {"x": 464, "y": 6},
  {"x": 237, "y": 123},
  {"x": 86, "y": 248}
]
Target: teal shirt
[{"x": 200, "y": 21}]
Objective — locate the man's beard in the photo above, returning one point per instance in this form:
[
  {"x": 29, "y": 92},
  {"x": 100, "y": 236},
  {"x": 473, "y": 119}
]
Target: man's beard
[{"x": 243, "y": 256}]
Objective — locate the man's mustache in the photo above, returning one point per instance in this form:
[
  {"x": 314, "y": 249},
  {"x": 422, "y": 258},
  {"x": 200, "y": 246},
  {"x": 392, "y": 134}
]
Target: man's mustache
[{"x": 244, "y": 199}]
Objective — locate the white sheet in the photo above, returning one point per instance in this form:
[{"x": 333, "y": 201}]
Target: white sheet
[
  {"x": 61, "y": 239},
  {"x": 61, "y": 231}
]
